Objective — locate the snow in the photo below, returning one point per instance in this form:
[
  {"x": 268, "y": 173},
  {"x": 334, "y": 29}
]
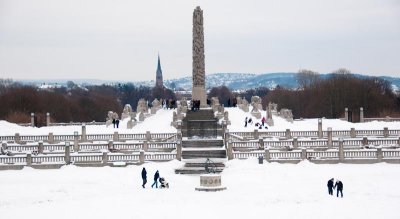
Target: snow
[
  {"x": 161, "y": 123},
  {"x": 270, "y": 190},
  {"x": 253, "y": 191}
]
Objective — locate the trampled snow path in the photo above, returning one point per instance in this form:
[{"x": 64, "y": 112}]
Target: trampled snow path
[{"x": 253, "y": 191}]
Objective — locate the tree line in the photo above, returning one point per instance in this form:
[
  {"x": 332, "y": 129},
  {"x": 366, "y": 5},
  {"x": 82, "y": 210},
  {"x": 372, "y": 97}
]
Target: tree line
[
  {"x": 71, "y": 103},
  {"x": 318, "y": 96},
  {"x": 315, "y": 97}
]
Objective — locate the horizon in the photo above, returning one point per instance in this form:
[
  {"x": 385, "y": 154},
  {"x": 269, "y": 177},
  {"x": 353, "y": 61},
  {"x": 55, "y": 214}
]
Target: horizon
[{"x": 121, "y": 39}]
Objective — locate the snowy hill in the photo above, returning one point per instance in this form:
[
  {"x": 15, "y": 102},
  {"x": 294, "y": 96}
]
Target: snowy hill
[{"x": 235, "y": 81}]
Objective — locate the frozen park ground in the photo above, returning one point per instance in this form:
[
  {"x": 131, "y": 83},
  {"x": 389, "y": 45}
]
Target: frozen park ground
[{"x": 270, "y": 190}]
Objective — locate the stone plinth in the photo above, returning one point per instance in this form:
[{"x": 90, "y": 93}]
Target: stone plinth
[{"x": 210, "y": 183}]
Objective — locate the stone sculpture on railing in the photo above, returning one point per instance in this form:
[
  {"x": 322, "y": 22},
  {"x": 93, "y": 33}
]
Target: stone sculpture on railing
[
  {"x": 132, "y": 121},
  {"x": 215, "y": 103},
  {"x": 286, "y": 114},
  {"x": 174, "y": 122},
  {"x": 142, "y": 107},
  {"x": 156, "y": 105},
  {"x": 256, "y": 104},
  {"x": 226, "y": 118},
  {"x": 242, "y": 104},
  {"x": 184, "y": 104},
  {"x": 127, "y": 112},
  {"x": 273, "y": 107},
  {"x": 141, "y": 117},
  {"x": 110, "y": 117}
]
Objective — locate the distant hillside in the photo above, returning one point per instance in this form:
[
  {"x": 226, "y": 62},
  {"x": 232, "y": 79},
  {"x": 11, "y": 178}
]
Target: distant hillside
[
  {"x": 243, "y": 81},
  {"x": 235, "y": 81}
]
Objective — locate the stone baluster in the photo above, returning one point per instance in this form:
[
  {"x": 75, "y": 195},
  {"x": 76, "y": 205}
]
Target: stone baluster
[
  {"x": 330, "y": 137},
  {"x": 365, "y": 141},
  {"x": 379, "y": 154},
  {"x": 76, "y": 141},
  {"x": 141, "y": 157},
  {"x": 148, "y": 136},
  {"x": 341, "y": 150},
  {"x": 361, "y": 114},
  {"x": 40, "y": 147},
  {"x": 353, "y": 133},
  {"x": 51, "y": 138},
  {"x": 104, "y": 159},
  {"x": 33, "y": 119},
  {"x": 303, "y": 153},
  {"x": 179, "y": 150},
  {"x": 288, "y": 133},
  {"x": 255, "y": 134},
  {"x": 47, "y": 119},
  {"x": 29, "y": 159},
  {"x": 295, "y": 143},
  {"x": 385, "y": 132},
  {"x": 267, "y": 155},
  {"x": 67, "y": 156},
  {"x": 17, "y": 138},
  {"x": 261, "y": 143},
  {"x": 320, "y": 133},
  {"x": 145, "y": 146},
  {"x": 230, "y": 149},
  {"x": 115, "y": 136},
  {"x": 110, "y": 145},
  {"x": 84, "y": 137}
]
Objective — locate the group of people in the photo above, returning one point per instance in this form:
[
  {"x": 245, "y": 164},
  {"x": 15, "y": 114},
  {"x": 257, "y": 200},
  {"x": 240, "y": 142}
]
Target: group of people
[
  {"x": 260, "y": 124},
  {"x": 195, "y": 105},
  {"x": 157, "y": 179},
  {"x": 115, "y": 123},
  {"x": 169, "y": 104},
  {"x": 338, "y": 186}
]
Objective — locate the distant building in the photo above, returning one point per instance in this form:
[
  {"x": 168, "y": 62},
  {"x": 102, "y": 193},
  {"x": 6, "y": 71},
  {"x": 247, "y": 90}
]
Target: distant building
[{"x": 159, "y": 78}]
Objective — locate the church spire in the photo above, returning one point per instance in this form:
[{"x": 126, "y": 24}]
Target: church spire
[{"x": 159, "y": 77}]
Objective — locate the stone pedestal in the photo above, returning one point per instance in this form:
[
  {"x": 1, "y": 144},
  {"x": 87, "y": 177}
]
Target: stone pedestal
[{"x": 210, "y": 183}]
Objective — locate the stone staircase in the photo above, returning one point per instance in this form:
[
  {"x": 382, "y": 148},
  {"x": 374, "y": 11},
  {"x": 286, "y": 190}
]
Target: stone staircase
[{"x": 202, "y": 140}]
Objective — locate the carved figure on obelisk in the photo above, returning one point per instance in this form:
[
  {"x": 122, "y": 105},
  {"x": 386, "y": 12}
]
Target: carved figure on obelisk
[{"x": 198, "y": 64}]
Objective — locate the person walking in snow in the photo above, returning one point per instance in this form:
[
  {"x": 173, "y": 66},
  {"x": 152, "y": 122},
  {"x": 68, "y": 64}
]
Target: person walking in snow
[
  {"x": 245, "y": 122},
  {"x": 113, "y": 122},
  {"x": 156, "y": 176},
  {"x": 330, "y": 186},
  {"x": 263, "y": 121},
  {"x": 117, "y": 123},
  {"x": 339, "y": 188},
  {"x": 144, "y": 176}
]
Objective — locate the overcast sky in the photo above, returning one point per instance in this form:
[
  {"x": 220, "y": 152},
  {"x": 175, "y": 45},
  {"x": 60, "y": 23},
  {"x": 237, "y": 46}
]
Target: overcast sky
[{"x": 120, "y": 39}]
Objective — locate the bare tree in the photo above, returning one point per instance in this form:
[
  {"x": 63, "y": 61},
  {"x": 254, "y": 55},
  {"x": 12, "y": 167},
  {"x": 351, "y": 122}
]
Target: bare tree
[{"x": 307, "y": 78}]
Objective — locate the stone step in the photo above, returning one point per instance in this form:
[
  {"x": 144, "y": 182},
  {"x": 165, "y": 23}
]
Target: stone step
[
  {"x": 220, "y": 165},
  {"x": 200, "y": 115},
  {"x": 192, "y": 154},
  {"x": 203, "y": 143},
  {"x": 195, "y": 170}
]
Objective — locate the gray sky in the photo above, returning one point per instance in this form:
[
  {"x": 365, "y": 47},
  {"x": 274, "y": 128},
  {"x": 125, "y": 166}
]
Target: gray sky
[{"x": 120, "y": 39}]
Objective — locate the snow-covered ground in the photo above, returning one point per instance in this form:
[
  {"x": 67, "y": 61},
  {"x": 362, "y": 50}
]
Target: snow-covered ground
[
  {"x": 253, "y": 191},
  {"x": 270, "y": 190},
  {"x": 161, "y": 123}
]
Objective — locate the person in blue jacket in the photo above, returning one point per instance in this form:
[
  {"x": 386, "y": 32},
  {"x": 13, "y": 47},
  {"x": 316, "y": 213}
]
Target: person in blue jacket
[{"x": 156, "y": 176}]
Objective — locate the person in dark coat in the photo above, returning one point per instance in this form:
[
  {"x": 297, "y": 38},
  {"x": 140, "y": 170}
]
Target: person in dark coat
[
  {"x": 117, "y": 122},
  {"x": 245, "y": 122},
  {"x": 156, "y": 176},
  {"x": 144, "y": 177},
  {"x": 113, "y": 122},
  {"x": 339, "y": 188},
  {"x": 330, "y": 186}
]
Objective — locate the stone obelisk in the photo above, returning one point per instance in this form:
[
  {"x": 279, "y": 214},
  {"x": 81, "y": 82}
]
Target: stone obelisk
[{"x": 199, "y": 88}]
